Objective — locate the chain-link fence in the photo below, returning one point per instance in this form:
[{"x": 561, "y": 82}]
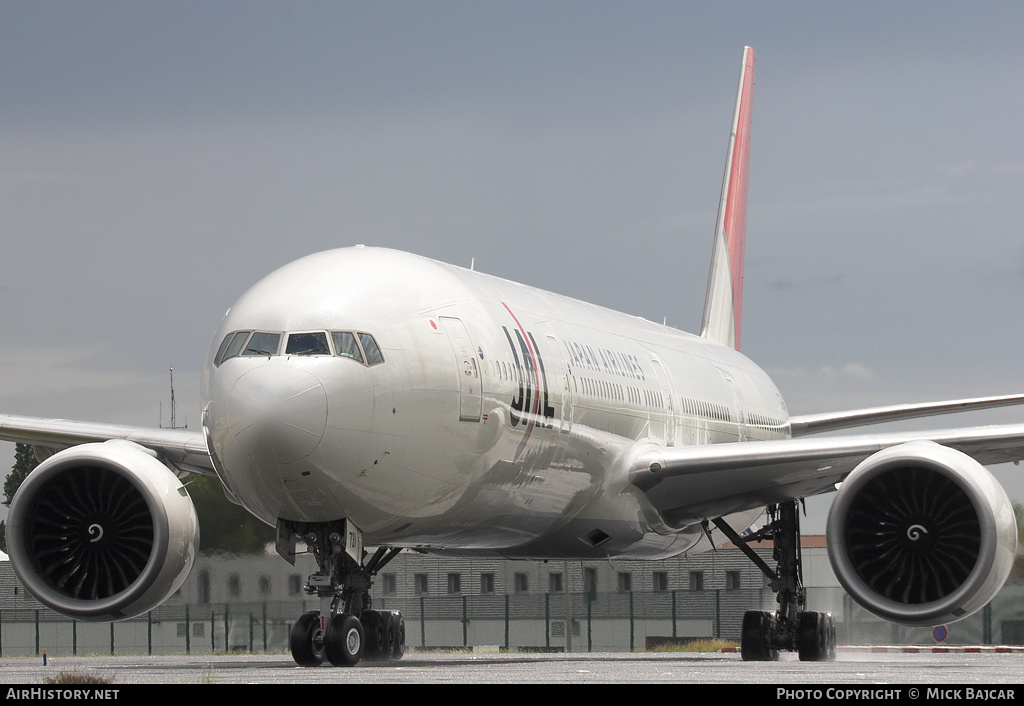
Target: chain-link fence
[{"x": 597, "y": 622}]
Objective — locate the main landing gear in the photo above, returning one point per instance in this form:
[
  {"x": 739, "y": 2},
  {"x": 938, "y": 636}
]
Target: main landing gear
[
  {"x": 809, "y": 633},
  {"x": 345, "y": 629}
]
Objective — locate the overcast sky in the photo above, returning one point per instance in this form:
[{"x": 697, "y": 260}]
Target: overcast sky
[{"x": 156, "y": 159}]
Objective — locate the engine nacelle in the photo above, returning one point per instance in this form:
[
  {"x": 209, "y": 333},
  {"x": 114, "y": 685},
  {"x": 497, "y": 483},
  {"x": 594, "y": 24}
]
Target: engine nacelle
[
  {"x": 102, "y": 531},
  {"x": 921, "y": 534}
]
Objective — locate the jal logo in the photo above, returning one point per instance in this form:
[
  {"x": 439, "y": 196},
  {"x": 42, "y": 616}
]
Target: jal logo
[{"x": 532, "y": 399}]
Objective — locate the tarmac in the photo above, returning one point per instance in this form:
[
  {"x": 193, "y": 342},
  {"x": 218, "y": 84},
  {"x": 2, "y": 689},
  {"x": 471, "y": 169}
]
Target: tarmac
[{"x": 998, "y": 668}]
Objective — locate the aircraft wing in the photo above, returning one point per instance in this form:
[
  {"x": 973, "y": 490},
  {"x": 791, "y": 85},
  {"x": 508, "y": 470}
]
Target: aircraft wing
[
  {"x": 185, "y": 450},
  {"x": 688, "y": 484},
  {"x": 833, "y": 421}
]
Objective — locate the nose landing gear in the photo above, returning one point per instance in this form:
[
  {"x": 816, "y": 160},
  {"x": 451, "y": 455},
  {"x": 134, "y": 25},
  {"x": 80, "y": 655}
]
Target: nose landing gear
[{"x": 345, "y": 629}]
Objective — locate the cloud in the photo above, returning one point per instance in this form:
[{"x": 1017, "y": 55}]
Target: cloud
[
  {"x": 42, "y": 371},
  {"x": 849, "y": 371}
]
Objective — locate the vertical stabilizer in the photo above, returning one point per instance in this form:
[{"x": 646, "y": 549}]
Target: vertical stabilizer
[{"x": 724, "y": 302}]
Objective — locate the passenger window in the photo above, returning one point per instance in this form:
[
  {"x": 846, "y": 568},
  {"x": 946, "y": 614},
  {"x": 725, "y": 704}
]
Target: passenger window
[
  {"x": 263, "y": 344},
  {"x": 373, "y": 354},
  {"x": 231, "y": 346},
  {"x": 345, "y": 345},
  {"x": 308, "y": 344}
]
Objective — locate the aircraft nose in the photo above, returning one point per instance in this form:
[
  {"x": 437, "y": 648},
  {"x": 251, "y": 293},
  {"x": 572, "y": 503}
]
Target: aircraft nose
[{"x": 278, "y": 412}]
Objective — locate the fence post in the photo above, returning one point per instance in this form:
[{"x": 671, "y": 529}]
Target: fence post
[
  {"x": 74, "y": 637},
  {"x": 149, "y": 633},
  {"x": 423, "y": 623},
  {"x": 590, "y": 623},
  {"x": 718, "y": 613},
  {"x": 547, "y": 621},
  {"x": 37, "y": 632},
  {"x": 111, "y": 638},
  {"x": 986, "y": 617},
  {"x": 506, "y": 622},
  {"x": 465, "y": 623},
  {"x": 674, "y": 636},
  {"x": 631, "y": 618},
  {"x": 188, "y": 632}
]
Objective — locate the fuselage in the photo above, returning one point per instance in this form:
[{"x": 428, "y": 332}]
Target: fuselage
[{"x": 445, "y": 409}]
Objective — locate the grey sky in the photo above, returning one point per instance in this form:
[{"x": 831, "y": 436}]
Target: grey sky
[{"x": 156, "y": 159}]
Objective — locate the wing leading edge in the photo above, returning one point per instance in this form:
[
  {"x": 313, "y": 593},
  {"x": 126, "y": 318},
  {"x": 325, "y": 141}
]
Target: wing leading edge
[
  {"x": 185, "y": 450},
  {"x": 833, "y": 421},
  {"x": 689, "y": 484}
]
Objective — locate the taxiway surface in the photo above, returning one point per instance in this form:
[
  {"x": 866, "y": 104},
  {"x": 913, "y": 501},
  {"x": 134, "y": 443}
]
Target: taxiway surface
[{"x": 594, "y": 668}]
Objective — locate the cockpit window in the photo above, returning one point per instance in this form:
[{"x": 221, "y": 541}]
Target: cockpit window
[
  {"x": 314, "y": 343},
  {"x": 360, "y": 347},
  {"x": 373, "y": 354},
  {"x": 263, "y": 343},
  {"x": 345, "y": 345},
  {"x": 231, "y": 345}
]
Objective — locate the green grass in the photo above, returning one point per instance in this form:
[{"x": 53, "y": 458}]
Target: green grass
[
  {"x": 697, "y": 645},
  {"x": 77, "y": 678}
]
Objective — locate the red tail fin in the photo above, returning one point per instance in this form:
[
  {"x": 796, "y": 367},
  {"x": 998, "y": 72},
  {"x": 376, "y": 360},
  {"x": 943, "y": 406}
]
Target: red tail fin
[{"x": 723, "y": 305}]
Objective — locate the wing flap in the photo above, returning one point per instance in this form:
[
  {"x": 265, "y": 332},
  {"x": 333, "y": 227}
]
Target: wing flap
[{"x": 689, "y": 484}]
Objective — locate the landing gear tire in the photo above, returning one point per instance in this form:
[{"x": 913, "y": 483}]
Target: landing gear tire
[
  {"x": 756, "y": 637},
  {"x": 829, "y": 635},
  {"x": 344, "y": 641},
  {"x": 374, "y": 629},
  {"x": 307, "y": 641},
  {"x": 397, "y": 636},
  {"x": 816, "y": 637}
]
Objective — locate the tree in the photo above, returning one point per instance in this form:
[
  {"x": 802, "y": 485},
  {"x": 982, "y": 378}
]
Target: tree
[
  {"x": 224, "y": 526},
  {"x": 24, "y": 463},
  {"x": 1017, "y": 572}
]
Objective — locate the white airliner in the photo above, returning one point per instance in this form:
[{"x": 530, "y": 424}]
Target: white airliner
[{"x": 368, "y": 397}]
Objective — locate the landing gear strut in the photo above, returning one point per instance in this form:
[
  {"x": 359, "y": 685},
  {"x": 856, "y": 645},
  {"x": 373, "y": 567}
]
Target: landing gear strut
[
  {"x": 346, "y": 628},
  {"x": 811, "y": 634}
]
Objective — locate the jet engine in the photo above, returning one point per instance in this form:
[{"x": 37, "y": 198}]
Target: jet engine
[
  {"x": 102, "y": 531},
  {"x": 921, "y": 534}
]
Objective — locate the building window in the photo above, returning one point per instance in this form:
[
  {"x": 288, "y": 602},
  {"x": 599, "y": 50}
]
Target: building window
[
  {"x": 590, "y": 581},
  {"x": 522, "y": 583},
  {"x": 555, "y": 583},
  {"x": 696, "y": 580},
  {"x": 234, "y": 585},
  {"x": 390, "y": 585},
  {"x": 420, "y": 582},
  {"x": 294, "y": 584},
  {"x": 264, "y": 585},
  {"x": 454, "y": 583},
  {"x": 732, "y": 580},
  {"x": 625, "y": 582},
  {"x": 487, "y": 583},
  {"x": 660, "y": 580}
]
